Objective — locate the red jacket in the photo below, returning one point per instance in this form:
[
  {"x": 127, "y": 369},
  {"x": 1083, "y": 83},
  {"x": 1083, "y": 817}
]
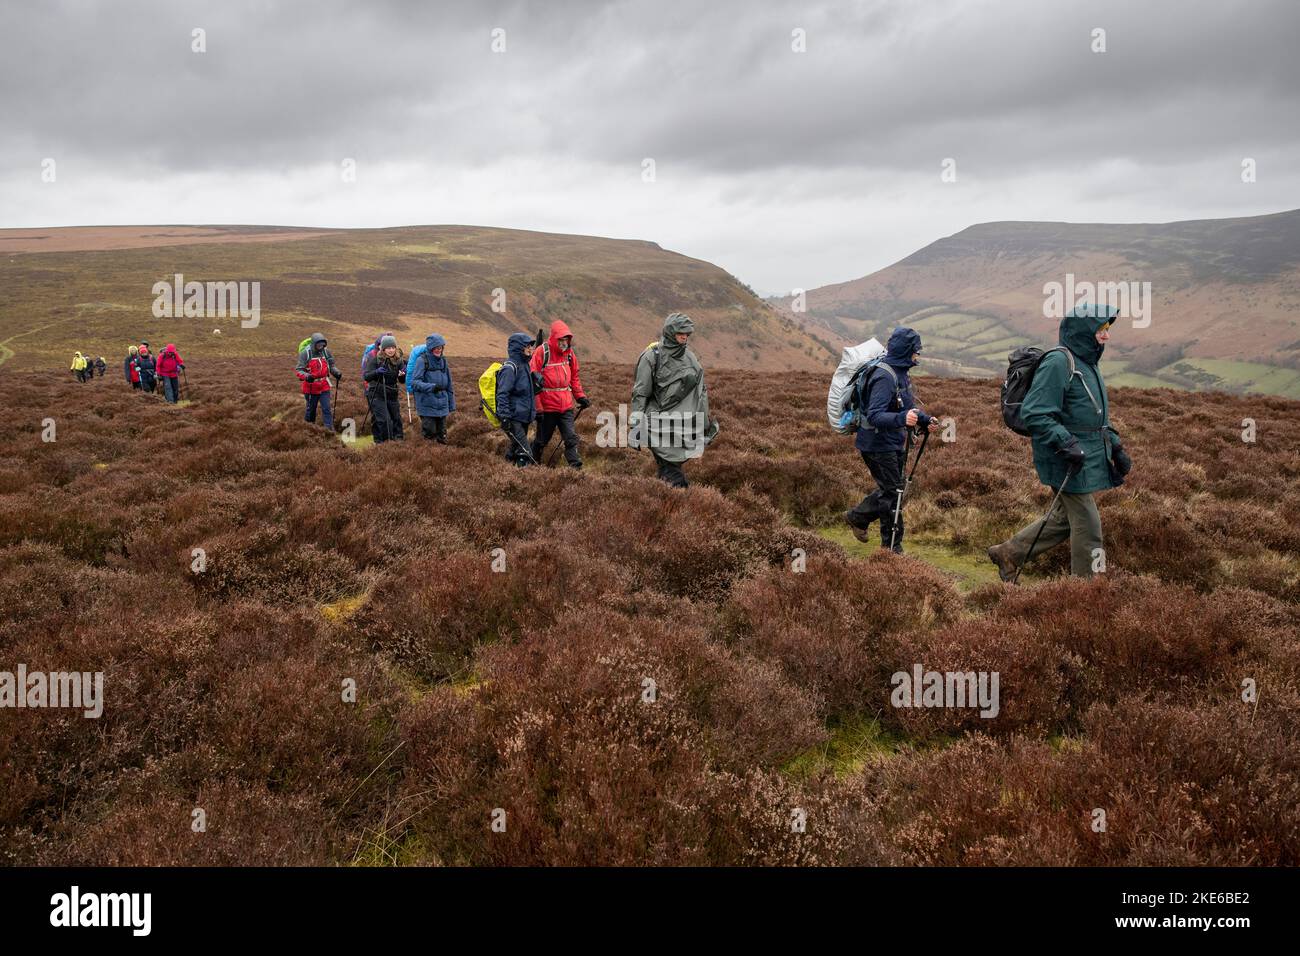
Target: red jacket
[
  {"x": 558, "y": 371},
  {"x": 317, "y": 366},
  {"x": 169, "y": 362}
]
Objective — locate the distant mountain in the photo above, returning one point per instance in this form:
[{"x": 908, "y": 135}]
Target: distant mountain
[
  {"x": 91, "y": 288},
  {"x": 1225, "y": 298}
]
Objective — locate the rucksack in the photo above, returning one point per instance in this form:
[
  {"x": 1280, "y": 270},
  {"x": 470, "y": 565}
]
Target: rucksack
[
  {"x": 843, "y": 411},
  {"x": 416, "y": 352},
  {"x": 1021, "y": 366},
  {"x": 487, "y": 390},
  {"x": 304, "y": 345},
  {"x": 372, "y": 347}
]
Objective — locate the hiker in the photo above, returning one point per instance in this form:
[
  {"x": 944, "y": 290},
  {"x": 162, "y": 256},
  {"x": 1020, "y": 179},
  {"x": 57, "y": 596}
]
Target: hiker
[
  {"x": 145, "y": 365},
  {"x": 315, "y": 366},
  {"x": 515, "y": 399},
  {"x": 128, "y": 368},
  {"x": 384, "y": 371},
  {"x": 1077, "y": 452},
  {"x": 169, "y": 368},
  {"x": 555, "y": 379},
  {"x": 101, "y": 366},
  {"x": 431, "y": 385},
  {"x": 670, "y": 403},
  {"x": 78, "y": 366},
  {"x": 889, "y": 413}
]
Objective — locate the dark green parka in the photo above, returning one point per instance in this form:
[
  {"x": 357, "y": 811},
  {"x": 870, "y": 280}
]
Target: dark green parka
[{"x": 1059, "y": 405}]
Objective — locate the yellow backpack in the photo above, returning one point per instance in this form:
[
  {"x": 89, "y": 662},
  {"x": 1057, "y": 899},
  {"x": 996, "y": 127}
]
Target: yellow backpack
[{"x": 487, "y": 389}]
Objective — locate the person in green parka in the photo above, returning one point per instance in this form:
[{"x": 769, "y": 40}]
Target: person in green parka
[
  {"x": 1067, "y": 413},
  {"x": 670, "y": 403}
]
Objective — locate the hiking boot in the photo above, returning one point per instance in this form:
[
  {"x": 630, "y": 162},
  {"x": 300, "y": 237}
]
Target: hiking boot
[
  {"x": 897, "y": 548},
  {"x": 1000, "y": 554},
  {"x": 860, "y": 532}
]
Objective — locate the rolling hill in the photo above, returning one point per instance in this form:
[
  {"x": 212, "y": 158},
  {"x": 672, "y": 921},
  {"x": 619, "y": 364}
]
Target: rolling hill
[
  {"x": 1225, "y": 298},
  {"x": 91, "y": 288}
]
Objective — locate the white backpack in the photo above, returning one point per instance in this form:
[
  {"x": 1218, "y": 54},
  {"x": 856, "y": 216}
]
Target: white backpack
[{"x": 852, "y": 359}]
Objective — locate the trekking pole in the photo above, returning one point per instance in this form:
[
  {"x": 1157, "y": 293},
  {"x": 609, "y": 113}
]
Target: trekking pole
[
  {"x": 907, "y": 481},
  {"x": 409, "y": 420},
  {"x": 186, "y": 377},
  {"x": 1041, "y": 525},
  {"x": 556, "y": 450}
]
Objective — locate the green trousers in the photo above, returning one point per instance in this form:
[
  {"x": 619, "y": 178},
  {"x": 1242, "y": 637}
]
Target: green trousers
[{"x": 1074, "y": 517}]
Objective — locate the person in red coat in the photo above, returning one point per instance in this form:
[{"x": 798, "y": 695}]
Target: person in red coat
[
  {"x": 168, "y": 368},
  {"x": 558, "y": 387},
  {"x": 315, "y": 366}
]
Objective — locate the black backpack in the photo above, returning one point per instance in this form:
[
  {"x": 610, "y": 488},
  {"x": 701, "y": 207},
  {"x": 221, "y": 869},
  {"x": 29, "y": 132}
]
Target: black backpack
[{"x": 1021, "y": 366}]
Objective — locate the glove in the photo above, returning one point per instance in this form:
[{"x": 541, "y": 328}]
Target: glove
[
  {"x": 338, "y": 377},
  {"x": 923, "y": 420},
  {"x": 584, "y": 402},
  {"x": 1072, "y": 454},
  {"x": 1123, "y": 463},
  {"x": 437, "y": 389},
  {"x": 309, "y": 379}
]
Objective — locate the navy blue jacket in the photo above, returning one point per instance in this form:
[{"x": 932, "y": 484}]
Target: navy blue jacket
[
  {"x": 886, "y": 414},
  {"x": 430, "y": 382},
  {"x": 515, "y": 382}
]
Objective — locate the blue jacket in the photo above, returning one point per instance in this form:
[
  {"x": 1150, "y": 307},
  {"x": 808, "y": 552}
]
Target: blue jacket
[
  {"x": 429, "y": 380},
  {"x": 515, "y": 382},
  {"x": 886, "y": 413}
]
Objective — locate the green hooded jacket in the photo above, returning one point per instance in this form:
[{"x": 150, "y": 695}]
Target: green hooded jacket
[
  {"x": 670, "y": 403},
  {"x": 1059, "y": 405}
]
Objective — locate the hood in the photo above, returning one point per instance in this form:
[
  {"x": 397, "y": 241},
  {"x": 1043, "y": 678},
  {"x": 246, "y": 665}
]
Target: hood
[
  {"x": 515, "y": 346},
  {"x": 318, "y": 341},
  {"x": 435, "y": 341},
  {"x": 558, "y": 331},
  {"x": 77, "y": 355},
  {"x": 144, "y": 350},
  {"x": 903, "y": 344},
  {"x": 169, "y": 347},
  {"x": 1079, "y": 329},
  {"x": 674, "y": 325}
]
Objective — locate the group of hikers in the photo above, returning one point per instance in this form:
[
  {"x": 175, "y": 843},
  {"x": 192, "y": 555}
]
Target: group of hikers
[
  {"x": 537, "y": 387},
  {"x": 144, "y": 372},
  {"x": 1055, "y": 397},
  {"x": 84, "y": 367}
]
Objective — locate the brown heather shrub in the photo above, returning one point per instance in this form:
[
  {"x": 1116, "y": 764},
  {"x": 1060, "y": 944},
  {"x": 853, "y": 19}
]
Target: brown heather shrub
[
  {"x": 825, "y": 627},
  {"x": 558, "y": 735},
  {"x": 522, "y": 689}
]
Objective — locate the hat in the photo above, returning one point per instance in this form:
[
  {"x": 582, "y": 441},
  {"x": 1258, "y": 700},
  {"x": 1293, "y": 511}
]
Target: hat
[{"x": 387, "y": 342}]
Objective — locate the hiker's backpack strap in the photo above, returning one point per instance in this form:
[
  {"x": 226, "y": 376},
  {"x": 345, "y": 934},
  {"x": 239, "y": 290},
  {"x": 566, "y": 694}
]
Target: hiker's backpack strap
[{"x": 1074, "y": 371}]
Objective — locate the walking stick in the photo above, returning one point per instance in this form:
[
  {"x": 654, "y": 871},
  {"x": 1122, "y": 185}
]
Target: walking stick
[
  {"x": 1041, "y": 525},
  {"x": 907, "y": 482},
  {"x": 185, "y": 375},
  {"x": 556, "y": 450},
  {"x": 409, "y": 419}
]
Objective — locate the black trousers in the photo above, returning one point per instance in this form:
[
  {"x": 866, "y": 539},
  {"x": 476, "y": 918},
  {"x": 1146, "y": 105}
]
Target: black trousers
[
  {"x": 547, "y": 422},
  {"x": 386, "y": 412},
  {"x": 670, "y": 472},
  {"x": 516, "y": 446},
  {"x": 887, "y": 470},
  {"x": 434, "y": 427}
]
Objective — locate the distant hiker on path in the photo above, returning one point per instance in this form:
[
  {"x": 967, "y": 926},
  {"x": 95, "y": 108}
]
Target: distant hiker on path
[
  {"x": 315, "y": 366},
  {"x": 1076, "y": 451},
  {"x": 670, "y": 403},
  {"x": 384, "y": 371},
  {"x": 101, "y": 366},
  {"x": 430, "y": 382},
  {"x": 79, "y": 366},
  {"x": 129, "y": 367},
  {"x": 889, "y": 412},
  {"x": 515, "y": 399},
  {"x": 169, "y": 368},
  {"x": 555, "y": 370}
]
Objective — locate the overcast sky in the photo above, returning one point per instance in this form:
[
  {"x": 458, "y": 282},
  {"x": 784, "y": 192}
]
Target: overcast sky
[{"x": 788, "y": 169}]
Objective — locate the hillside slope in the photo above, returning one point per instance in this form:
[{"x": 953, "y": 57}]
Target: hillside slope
[
  {"x": 1225, "y": 297},
  {"x": 93, "y": 291}
]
